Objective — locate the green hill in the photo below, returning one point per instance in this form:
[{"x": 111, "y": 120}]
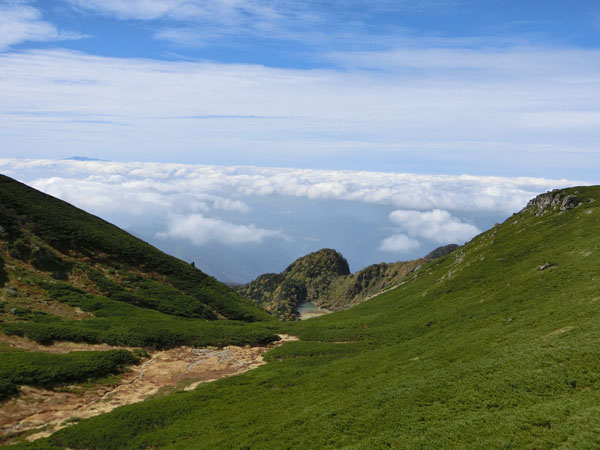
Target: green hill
[
  {"x": 66, "y": 275},
  {"x": 57, "y": 238},
  {"x": 492, "y": 346},
  {"x": 323, "y": 277}
]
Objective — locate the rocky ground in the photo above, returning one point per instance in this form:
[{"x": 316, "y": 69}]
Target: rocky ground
[{"x": 38, "y": 413}]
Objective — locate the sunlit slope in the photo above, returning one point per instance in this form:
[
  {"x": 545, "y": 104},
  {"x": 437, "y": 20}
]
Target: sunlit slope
[
  {"x": 67, "y": 234},
  {"x": 479, "y": 349}
]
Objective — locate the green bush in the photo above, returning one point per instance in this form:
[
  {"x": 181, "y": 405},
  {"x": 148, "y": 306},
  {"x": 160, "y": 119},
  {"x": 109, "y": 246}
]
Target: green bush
[{"x": 48, "y": 369}]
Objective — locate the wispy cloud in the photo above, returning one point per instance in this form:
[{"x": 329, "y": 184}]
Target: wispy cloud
[
  {"x": 194, "y": 23},
  {"x": 462, "y": 111},
  {"x": 21, "y": 22}
]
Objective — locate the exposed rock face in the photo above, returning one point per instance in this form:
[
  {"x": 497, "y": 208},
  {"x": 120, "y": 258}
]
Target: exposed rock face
[
  {"x": 550, "y": 200},
  {"x": 569, "y": 202}
]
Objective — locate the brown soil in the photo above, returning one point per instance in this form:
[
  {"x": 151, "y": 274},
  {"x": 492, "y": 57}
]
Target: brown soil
[{"x": 38, "y": 412}]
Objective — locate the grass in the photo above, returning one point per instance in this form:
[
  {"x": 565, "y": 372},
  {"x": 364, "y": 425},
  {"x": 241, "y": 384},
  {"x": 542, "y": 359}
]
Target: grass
[{"x": 479, "y": 349}]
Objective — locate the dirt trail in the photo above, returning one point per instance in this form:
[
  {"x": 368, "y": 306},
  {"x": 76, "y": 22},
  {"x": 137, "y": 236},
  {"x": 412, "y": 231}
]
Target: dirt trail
[{"x": 41, "y": 412}]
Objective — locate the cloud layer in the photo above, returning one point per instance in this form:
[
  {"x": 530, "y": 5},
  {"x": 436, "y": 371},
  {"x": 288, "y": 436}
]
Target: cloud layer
[
  {"x": 154, "y": 188},
  {"x": 214, "y": 214},
  {"x": 437, "y": 225}
]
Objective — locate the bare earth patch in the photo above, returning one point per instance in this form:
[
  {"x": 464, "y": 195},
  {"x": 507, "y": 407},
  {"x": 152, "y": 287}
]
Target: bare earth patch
[{"x": 42, "y": 412}]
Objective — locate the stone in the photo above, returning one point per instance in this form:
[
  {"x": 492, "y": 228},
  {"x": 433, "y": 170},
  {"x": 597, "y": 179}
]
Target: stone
[
  {"x": 544, "y": 266},
  {"x": 569, "y": 202},
  {"x": 11, "y": 291},
  {"x": 543, "y": 201}
]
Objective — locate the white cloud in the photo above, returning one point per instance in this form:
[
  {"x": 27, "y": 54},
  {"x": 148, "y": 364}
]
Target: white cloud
[
  {"x": 437, "y": 225},
  {"x": 199, "y": 230},
  {"x": 132, "y": 9},
  {"x": 278, "y": 208},
  {"x": 192, "y": 22},
  {"x": 20, "y": 22},
  {"x": 398, "y": 243},
  {"x": 177, "y": 188},
  {"x": 230, "y": 205}
]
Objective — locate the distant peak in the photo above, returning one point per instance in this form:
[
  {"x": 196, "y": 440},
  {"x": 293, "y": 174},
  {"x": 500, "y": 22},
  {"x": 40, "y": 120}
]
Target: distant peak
[{"x": 81, "y": 158}]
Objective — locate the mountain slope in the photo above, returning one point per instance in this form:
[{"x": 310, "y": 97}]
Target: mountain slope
[
  {"x": 492, "y": 346},
  {"x": 27, "y": 215},
  {"x": 66, "y": 275}
]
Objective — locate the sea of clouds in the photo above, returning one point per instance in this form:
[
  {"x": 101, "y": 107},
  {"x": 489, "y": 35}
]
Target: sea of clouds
[{"x": 237, "y": 222}]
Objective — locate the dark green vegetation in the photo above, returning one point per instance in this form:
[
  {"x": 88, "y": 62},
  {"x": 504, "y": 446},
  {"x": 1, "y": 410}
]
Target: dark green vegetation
[
  {"x": 441, "y": 251},
  {"x": 66, "y": 275},
  {"x": 492, "y": 346},
  {"x": 118, "y": 323},
  {"x": 71, "y": 276},
  {"x": 49, "y": 370},
  {"x": 324, "y": 278},
  {"x": 51, "y": 235}
]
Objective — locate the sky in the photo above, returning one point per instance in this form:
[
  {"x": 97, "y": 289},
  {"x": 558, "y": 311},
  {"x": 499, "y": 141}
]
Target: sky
[{"x": 380, "y": 128}]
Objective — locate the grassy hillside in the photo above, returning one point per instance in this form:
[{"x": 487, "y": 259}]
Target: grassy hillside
[
  {"x": 493, "y": 346},
  {"x": 323, "y": 277},
  {"x": 66, "y": 275},
  {"x": 53, "y": 236}
]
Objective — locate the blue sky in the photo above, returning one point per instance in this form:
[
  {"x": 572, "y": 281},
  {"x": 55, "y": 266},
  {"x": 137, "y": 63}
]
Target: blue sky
[
  {"x": 381, "y": 128},
  {"x": 294, "y": 33},
  {"x": 495, "y": 87}
]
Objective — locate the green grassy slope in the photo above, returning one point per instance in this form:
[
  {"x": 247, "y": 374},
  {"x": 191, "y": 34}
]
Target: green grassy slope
[
  {"x": 66, "y": 275},
  {"x": 479, "y": 349},
  {"x": 26, "y": 213}
]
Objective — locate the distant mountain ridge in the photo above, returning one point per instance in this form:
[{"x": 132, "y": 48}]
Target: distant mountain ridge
[{"x": 323, "y": 277}]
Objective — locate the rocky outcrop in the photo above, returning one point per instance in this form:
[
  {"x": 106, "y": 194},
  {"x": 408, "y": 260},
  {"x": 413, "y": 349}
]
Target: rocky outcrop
[
  {"x": 324, "y": 278},
  {"x": 307, "y": 279},
  {"x": 549, "y": 201},
  {"x": 569, "y": 202}
]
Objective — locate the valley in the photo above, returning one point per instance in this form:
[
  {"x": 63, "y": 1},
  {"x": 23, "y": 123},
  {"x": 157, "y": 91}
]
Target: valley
[{"x": 492, "y": 345}]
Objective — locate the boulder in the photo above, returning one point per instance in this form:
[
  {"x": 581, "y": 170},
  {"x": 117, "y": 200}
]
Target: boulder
[{"x": 569, "y": 202}]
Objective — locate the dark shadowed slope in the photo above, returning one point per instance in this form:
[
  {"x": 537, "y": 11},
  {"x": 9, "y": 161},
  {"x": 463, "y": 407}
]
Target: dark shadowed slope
[{"x": 27, "y": 214}]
